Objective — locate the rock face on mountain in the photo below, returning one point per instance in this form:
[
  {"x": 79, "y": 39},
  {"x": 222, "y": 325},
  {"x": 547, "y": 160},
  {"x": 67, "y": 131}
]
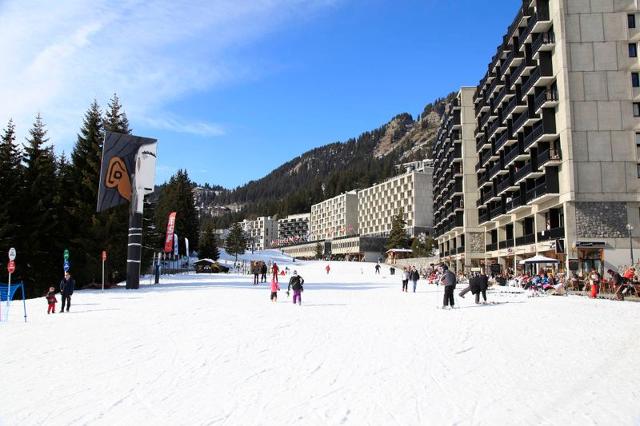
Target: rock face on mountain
[{"x": 342, "y": 166}]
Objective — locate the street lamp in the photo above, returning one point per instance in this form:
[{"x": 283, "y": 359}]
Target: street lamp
[{"x": 630, "y": 228}]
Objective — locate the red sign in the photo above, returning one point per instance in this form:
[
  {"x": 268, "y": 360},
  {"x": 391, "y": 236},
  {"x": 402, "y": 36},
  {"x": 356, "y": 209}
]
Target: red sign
[
  {"x": 104, "y": 255},
  {"x": 11, "y": 266},
  {"x": 168, "y": 241}
]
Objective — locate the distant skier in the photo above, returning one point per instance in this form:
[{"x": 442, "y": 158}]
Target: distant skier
[
  {"x": 67, "y": 285},
  {"x": 274, "y": 290},
  {"x": 295, "y": 284},
  {"x": 274, "y": 270},
  {"x": 415, "y": 276},
  {"x": 328, "y": 269},
  {"x": 448, "y": 280},
  {"x": 51, "y": 300},
  {"x": 263, "y": 271},
  {"x": 377, "y": 268}
]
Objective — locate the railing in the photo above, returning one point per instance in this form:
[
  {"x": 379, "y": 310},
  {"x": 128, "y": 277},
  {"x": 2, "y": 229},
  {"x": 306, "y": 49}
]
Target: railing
[
  {"x": 533, "y": 79},
  {"x": 522, "y": 172},
  {"x": 482, "y": 140},
  {"x": 514, "y": 203},
  {"x": 458, "y": 186},
  {"x": 504, "y": 185},
  {"x": 507, "y": 61},
  {"x": 506, "y": 243},
  {"x": 496, "y": 211},
  {"x": 538, "y": 191},
  {"x": 493, "y": 170},
  {"x": 483, "y": 216},
  {"x": 491, "y": 247},
  {"x": 547, "y": 155},
  {"x": 494, "y": 126},
  {"x": 526, "y": 239},
  {"x": 547, "y": 95},
  {"x": 536, "y": 132},
  {"x": 460, "y": 249},
  {"x": 512, "y": 153},
  {"x": 543, "y": 38},
  {"x": 551, "y": 234},
  {"x": 502, "y": 140},
  {"x": 484, "y": 156},
  {"x": 519, "y": 122},
  {"x": 500, "y": 96},
  {"x": 484, "y": 118},
  {"x": 517, "y": 72}
]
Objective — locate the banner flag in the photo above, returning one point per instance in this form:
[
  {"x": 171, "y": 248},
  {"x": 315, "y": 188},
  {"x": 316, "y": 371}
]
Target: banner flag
[
  {"x": 168, "y": 241},
  {"x": 186, "y": 247},
  {"x": 127, "y": 170},
  {"x": 175, "y": 244}
]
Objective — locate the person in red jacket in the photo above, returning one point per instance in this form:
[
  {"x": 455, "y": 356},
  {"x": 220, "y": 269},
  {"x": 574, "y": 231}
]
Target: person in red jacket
[
  {"x": 274, "y": 291},
  {"x": 328, "y": 269},
  {"x": 275, "y": 270},
  {"x": 51, "y": 300}
]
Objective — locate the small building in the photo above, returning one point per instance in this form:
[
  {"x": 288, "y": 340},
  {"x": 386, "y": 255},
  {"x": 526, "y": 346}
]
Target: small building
[{"x": 398, "y": 253}]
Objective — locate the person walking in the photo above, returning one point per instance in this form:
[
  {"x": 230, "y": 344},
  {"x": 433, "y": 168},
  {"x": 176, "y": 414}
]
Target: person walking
[
  {"x": 377, "y": 268},
  {"x": 448, "y": 280},
  {"x": 67, "y": 285},
  {"x": 415, "y": 276},
  {"x": 328, "y": 269},
  {"x": 484, "y": 285},
  {"x": 51, "y": 300},
  {"x": 594, "y": 280},
  {"x": 263, "y": 272},
  {"x": 255, "y": 270},
  {"x": 274, "y": 291},
  {"x": 405, "y": 279},
  {"x": 295, "y": 284},
  {"x": 274, "y": 270}
]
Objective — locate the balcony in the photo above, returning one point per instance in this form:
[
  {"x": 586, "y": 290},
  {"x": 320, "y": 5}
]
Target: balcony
[
  {"x": 457, "y": 187},
  {"x": 460, "y": 250},
  {"x": 482, "y": 142},
  {"x": 493, "y": 170},
  {"x": 515, "y": 106},
  {"x": 549, "y": 157},
  {"x": 538, "y": 22},
  {"x": 491, "y": 247},
  {"x": 505, "y": 244},
  {"x": 513, "y": 203},
  {"x": 541, "y": 76},
  {"x": 497, "y": 211},
  {"x": 500, "y": 96},
  {"x": 519, "y": 122},
  {"x": 484, "y": 157},
  {"x": 542, "y": 189},
  {"x": 504, "y": 137},
  {"x": 504, "y": 185},
  {"x": 509, "y": 60},
  {"x": 551, "y": 234},
  {"x": 542, "y": 42},
  {"x": 526, "y": 239},
  {"x": 523, "y": 172},
  {"x": 515, "y": 153},
  {"x": 542, "y": 130},
  {"x": 495, "y": 125},
  {"x": 483, "y": 119},
  {"x": 483, "y": 216},
  {"x": 547, "y": 98},
  {"x": 519, "y": 71}
]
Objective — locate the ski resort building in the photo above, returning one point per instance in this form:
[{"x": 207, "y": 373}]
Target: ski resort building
[
  {"x": 558, "y": 135},
  {"x": 410, "y": 193},
  {"x": 260, "y": 233},
  {"x": 455, "y": 187},
  {"x": 293, "y": 229},
  {"x": 335, "y": 217}
]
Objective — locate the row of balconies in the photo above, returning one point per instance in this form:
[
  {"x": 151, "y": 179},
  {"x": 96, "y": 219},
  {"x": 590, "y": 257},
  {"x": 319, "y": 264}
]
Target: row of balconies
[{"x": 527, "y": 239}]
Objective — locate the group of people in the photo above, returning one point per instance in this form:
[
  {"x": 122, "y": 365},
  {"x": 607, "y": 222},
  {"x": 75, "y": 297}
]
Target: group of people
[{"x": 295, "y": 283}]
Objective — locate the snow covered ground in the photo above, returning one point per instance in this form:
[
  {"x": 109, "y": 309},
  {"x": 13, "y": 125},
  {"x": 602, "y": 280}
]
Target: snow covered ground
[{"x": 201, "y": 349}]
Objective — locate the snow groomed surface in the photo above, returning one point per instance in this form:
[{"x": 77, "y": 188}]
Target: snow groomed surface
[{"x": 212, "y": 349}]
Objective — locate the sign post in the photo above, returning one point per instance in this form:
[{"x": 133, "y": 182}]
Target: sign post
[
  {"x": 11, "y": 267},
  {"x": 104, "y": 258},
  {"x": 66, "y": 264}
]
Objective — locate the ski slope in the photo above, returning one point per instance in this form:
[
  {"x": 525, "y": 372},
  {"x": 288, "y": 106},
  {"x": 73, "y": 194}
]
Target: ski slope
[{"x": 212, "y": 349}]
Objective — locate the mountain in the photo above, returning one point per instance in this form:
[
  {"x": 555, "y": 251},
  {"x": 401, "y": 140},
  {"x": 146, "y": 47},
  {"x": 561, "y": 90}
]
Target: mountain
[{"x": 332, "y": 169}]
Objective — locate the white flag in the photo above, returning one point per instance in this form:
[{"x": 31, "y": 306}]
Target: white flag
[
  {"x": 186, "y": 248},
  {"x": 175, "y": 244}
]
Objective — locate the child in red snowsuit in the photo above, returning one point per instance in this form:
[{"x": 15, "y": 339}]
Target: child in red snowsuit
[
  {"x": 274, "y": 291},
  {"x": 51, "y": 300}
]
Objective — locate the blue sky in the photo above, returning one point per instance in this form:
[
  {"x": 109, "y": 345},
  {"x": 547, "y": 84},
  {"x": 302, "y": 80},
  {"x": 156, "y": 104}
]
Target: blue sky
[{"x": 233, "y": 88}]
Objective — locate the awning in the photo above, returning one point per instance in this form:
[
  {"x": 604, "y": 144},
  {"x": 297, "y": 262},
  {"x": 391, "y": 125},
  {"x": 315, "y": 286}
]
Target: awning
[{"x": 538, "y": 259}]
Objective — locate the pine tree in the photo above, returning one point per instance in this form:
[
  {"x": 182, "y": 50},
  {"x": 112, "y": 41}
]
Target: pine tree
[
  {"x": 11, "y": 172},
  {"x": 236, "y": 242},
  {"x": 177, "y": 196},
  {"x": 397, "y": 236},
  {"x": 115, "y": 119},
  {"x": 318, "y": 251},
  {"x": 208, "y": 245},
  {"x": 37, "y": 239},
  {"x": 422, "y": 245}
]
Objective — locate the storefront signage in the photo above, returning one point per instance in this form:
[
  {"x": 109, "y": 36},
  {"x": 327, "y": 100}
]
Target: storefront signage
[{"x": 590, "y": 244}]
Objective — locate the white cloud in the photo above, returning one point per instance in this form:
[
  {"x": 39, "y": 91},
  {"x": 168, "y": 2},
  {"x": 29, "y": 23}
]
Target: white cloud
[{"x": 59, "y": 56}]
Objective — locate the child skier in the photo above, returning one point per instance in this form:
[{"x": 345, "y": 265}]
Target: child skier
[
  {"x": 51, "y": 300},
  {"x": 274, "y": 291},
  {"x": 295, "y": 283}
]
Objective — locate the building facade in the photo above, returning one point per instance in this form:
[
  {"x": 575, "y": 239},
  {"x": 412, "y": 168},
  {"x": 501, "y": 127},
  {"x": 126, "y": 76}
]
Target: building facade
[
  {"x": 293, "y": 229},
  {"x": 558, "y": 134},
  {"x": 260, "y": 233},
  {"x": 410, "y": 193},
  {"x": 335, "y": 217},
  {"x": 455, "y": 187}
]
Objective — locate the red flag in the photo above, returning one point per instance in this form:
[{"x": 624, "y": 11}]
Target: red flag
[{"x": 168, "y": 241}]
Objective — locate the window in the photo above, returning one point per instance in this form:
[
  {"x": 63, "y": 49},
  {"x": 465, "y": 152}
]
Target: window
[
  {"x": 633, "y": 50},
  {"x": 635, "y": 79},
  {"x": 631, "y": 20},
  {"x": 636, "y": 109}
]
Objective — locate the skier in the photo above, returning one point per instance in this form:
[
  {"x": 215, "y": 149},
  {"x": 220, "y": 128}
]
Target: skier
[
  {"x": 328, "y": 268},
  {"x": 274, "y": 270},
  {"x": 378, "y": 268},
  {"x": 448, "y": 279},
  {"x": 296, "y": 283},
  {"x": 274, "y": 291},
  {"x": 415, "y": 276},
  {"x": 67, "y": 285}
]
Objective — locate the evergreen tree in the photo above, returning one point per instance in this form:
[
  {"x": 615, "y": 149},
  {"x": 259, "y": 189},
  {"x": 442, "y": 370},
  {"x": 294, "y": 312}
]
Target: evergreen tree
[
  {"x": 37, "y": 240},
  {"x": 397, "y": 236},
  {"x": 115, "y": 119},
  {"x": 208, "y": 245},
  {"x": 236, "y": 242},
  {"x": 422, "y": 246},
  {"x": 11, "y": 172},
  {"x": 86, "y": 158},
  {"x": 318, "y": 251}
]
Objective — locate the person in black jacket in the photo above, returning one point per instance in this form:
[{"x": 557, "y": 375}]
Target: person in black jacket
[
  {"x": 295, "y": 283},
  {"x": 618, "y": 283},
  {"x": 415, "y": 276},
  {"x": 263, "y": 272},
  {"x": 448, "y": 280},
  {"x": 67, "y": 285},
  {"x": 482, "y": 288}
]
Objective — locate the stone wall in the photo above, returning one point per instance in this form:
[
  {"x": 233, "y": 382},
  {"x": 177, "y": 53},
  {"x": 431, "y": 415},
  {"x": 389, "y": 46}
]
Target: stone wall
[
  {"x": 474, "y": 242},
  {"x": 601, "y": 220}
]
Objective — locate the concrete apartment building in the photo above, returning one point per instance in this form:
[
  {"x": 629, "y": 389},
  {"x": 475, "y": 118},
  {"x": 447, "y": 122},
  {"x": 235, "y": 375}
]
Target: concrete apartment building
[
  {"x": 260, "y": 233},
  {"x": 293, "y": 229},
  {"x": 455, "y": 188},
  {"x": 334, "y": 218},
  {"x": 410, "y": 193},
  {"x": 558, "y": 136}
]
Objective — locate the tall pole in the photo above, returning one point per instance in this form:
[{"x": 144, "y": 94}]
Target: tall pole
[
  {"x": 630, "y": 228},
  {"x": 134, "y": 250}
]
